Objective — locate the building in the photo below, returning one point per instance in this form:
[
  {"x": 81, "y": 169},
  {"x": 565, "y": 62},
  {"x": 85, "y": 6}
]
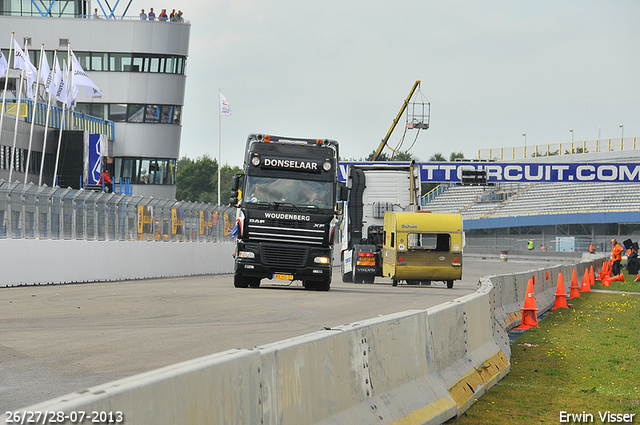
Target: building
[{"x": 140, "y": 66}]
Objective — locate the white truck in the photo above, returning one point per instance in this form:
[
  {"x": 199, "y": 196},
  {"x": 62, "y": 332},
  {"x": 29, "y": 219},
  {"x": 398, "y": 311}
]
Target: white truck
[{"x": 373, "y": 190}]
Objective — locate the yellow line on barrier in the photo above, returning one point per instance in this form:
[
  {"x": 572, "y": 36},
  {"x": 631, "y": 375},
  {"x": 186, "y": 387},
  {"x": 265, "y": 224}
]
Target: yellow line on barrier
[
  {"x": 426, "y": 413},
  {"x": 464, "y": 390}
]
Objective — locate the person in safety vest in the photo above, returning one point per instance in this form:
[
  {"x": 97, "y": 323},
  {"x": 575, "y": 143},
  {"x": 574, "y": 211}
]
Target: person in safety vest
[
  {"x": 616, "y": 256},
  {"x": 592, "y": 249},
  {"x": 530, "y": 245}
]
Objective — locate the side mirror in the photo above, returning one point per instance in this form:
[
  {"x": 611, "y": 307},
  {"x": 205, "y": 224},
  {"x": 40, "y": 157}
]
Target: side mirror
[
  {"x": 235, "y": 192},
  {"x": 343, "y": 192}
]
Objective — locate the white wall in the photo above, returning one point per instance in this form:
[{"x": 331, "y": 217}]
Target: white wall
[{"x": 32, "y": 261}]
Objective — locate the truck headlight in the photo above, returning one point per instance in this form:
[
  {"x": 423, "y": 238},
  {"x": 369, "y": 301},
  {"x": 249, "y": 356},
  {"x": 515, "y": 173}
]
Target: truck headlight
[
  {"x": 321, "y": 260},
  {"x": 326, "y": 166},
  {"x": 246, "y": 254},
  {"x": 255, "y": 161}
]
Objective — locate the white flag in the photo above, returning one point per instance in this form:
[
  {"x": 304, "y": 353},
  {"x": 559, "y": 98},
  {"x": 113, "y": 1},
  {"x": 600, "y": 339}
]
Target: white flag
[
  {"x": 80, "y": 78},
  {"x": 4, "y": 65},
  {"x": 45, "y": 73},
  {"x": 224, "y": 106},
  {"x": 57, "y": 88},
  {"x": 21, "y": 61}
]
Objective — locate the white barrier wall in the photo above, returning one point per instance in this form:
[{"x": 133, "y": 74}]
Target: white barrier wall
[
  {"x": 414, "y": 367},
  {"x": 32, "y": 261}
]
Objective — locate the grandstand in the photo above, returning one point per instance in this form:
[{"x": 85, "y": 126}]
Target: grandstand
[{"x": 544, "y": 211}]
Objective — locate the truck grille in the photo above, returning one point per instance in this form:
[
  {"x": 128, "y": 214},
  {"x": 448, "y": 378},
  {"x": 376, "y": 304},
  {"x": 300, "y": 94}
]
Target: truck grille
[
  {"x": 284, "y": 256},
  {"x": 285, "y": 232}
]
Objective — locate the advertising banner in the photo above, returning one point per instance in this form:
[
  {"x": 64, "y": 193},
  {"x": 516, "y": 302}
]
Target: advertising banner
[
  {"x": 97, "y": 149},
  {"x": 573, "y": 172}
]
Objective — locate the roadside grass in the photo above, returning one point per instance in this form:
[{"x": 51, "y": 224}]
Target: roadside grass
[{"x": 582, "y": 359}]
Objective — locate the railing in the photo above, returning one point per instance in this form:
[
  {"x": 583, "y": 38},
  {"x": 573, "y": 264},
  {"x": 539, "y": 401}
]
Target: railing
[
  {"x": 554, "y": 149},
  {"x": 79, "y": 121},
  {"x": 29, "y": 211}
]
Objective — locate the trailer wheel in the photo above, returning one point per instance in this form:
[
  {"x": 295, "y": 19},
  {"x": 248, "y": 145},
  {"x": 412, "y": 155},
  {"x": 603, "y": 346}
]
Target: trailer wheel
[
  {"x": 395, "y": 282},
  {"x": 426, "y": 282},
  {"x": 240, "y": 281},
  {"x": 449, "y": 284},
  {"x": 413, "y": 282}
]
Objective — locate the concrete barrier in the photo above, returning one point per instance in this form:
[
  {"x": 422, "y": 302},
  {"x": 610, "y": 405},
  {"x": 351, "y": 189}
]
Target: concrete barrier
[
  {"x": 33, "y": 261},
  {"x": 414, "y": 367}
]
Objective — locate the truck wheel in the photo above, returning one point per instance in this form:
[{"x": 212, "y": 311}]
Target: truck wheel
[
  {"x": 346, "y": 277},
  {"x": 323, "y": 285},
  {"x": 368, "y": 278},
  {"x": 449, "y": 284},
  {"x": 309, "y": 285},
  {"x": 240, "y": 282},
  {"x": 357, "y": 277},
  {"x": 254, "y": 282}
]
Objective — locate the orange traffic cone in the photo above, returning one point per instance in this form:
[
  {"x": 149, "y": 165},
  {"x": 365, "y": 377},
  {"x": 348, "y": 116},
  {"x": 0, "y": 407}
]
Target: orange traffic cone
[
  {"x": 547, "y": 275},
  {"x": 592, "y": 277},
  {"x": 529, "y": 316},
  {"x": 618, "y": 278},
  {"x": 575, "y": 288},
  {"x": 585, "y": 287},
  {"x": 561, "y": 296},
  {"x": 607, "y": 270},
  {"x": 637, "y": 278}
]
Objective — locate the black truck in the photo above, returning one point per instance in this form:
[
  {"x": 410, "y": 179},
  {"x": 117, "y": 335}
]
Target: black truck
[{"x": 286, "y": 200}]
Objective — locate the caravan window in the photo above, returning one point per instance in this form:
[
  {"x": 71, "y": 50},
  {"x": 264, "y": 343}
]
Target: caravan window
[{"x": 429, "y": 241}]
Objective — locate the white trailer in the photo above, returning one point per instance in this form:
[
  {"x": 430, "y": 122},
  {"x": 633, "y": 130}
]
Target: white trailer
[{"x": 373, "y": 190}]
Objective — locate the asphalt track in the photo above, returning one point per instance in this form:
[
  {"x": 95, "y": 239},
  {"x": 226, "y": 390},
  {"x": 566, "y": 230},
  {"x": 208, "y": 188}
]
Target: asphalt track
[{"x": 57, "y": 339}]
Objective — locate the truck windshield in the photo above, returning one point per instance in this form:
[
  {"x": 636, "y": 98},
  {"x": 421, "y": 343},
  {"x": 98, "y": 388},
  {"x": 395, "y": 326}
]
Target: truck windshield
[{"x": 291, "y": 191}]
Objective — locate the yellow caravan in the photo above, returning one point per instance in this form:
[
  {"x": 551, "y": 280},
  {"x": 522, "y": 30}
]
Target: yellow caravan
[{"x": 420, "y": 247}]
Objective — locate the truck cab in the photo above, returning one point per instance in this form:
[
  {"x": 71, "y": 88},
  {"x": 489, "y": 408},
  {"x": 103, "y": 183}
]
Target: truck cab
[{"x": 286, "y": 201}]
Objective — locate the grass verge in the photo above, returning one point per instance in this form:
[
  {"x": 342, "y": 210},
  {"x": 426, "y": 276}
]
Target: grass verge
[{"x": 584, "y": 359}]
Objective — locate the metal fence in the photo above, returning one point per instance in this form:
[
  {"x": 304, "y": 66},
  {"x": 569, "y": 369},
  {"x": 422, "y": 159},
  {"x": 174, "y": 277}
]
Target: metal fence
[{"x": 29, "y": 211}]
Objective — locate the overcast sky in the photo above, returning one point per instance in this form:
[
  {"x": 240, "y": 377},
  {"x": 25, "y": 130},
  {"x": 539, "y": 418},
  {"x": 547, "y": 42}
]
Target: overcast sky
[{"x": 340, "y": 69}]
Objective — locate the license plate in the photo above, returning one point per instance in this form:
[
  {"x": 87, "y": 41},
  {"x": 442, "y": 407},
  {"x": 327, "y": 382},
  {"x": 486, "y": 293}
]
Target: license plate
[{"x": 283, "y": 276}]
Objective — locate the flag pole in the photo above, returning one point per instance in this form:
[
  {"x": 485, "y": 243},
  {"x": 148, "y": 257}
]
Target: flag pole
[
  {"x": 219, "y": 143},
  {"x": 15, "y": 129},
  {"x": 6, "y": 80},
  {"x": 46, "y": 121},
  {"x": 33, "y": 114},
  {"x": 62, "y": 124}
]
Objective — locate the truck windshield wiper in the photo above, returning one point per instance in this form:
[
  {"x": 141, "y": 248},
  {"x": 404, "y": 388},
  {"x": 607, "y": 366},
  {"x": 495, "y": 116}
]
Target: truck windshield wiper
[{"x": 278, "y": 203}]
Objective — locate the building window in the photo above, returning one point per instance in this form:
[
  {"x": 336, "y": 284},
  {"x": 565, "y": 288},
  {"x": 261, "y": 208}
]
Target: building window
[
  {"x": 135, "y": 113},
  {"x": 156, "y": 171},
  {"x": 121, "y": 112}
]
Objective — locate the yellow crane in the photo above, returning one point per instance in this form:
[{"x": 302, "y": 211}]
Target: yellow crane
[{"x": 415, "y": 122}]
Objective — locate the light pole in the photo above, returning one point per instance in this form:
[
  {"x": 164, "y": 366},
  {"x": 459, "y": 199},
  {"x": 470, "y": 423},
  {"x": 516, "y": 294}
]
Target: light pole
[
  {"x": 571, "y": 131},
  {"x": 622, "y": 127},
  {"x": 525, "y": 144}
]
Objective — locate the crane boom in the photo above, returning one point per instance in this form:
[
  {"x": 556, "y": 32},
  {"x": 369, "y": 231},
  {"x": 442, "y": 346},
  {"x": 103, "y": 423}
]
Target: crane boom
[{"x": 384, "y": 141}]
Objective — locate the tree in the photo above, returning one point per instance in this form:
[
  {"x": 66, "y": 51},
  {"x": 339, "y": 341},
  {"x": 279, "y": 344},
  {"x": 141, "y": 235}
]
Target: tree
[
  {"x": 197, "y": 180},
  {"x": 437, "y": 157},
  {"x": 456, "y": 155},
  {"x": 397, "y": 156}
]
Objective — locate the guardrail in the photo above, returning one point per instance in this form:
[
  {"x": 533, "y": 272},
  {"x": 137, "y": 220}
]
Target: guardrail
[
  {"x": 29, "y": 211},
  {"x": 419, "y": 367},
  {"x": 554, "y": 149}
]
